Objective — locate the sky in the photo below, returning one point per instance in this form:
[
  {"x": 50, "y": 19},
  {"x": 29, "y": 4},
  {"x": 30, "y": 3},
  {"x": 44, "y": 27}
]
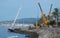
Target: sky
[{"x": 29, "y": 8}]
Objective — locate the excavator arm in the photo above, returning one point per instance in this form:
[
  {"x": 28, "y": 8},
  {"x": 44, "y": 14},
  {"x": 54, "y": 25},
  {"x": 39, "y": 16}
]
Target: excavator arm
[
  {"x": 48, "y": 18},
  {"x": 43, "y": 15},
  {"x": 50, "y": 11}
]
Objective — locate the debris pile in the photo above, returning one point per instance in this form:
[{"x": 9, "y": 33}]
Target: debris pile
[{"x": 49, "y": 33}]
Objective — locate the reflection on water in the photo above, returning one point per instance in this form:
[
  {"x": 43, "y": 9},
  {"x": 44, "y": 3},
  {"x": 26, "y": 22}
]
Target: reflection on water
[
  {"x": 5, "y": 34},
  {"x": 13, "y": 37}
]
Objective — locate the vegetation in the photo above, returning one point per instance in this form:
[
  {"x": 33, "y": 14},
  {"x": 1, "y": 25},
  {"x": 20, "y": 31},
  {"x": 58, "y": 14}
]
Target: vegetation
[
  {"x": 55, "y": 14},
  {"x": 40, "y": 20},
  {"x": 34, "y": 23}
]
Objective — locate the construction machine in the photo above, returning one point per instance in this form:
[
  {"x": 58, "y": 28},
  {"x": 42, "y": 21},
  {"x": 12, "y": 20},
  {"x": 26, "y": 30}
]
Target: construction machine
[
  {"x": 45, "y": 20},
  {"x": 49, "y": 15}
]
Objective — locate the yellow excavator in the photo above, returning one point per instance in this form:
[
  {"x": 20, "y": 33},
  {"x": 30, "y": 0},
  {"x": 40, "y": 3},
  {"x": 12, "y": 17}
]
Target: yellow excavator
[{"x": 45, "y": 20}]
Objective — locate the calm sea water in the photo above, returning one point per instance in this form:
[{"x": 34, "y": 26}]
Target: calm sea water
[{"x": 5, "y": 34}]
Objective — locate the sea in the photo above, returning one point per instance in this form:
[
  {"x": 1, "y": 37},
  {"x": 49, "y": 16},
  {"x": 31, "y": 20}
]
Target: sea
[{"x": 5, "y": 34}]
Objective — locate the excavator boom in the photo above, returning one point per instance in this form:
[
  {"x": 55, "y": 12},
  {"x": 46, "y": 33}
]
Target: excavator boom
[
  {"x": 40, "y": 6},
  {"x": 43, "y": 15},
  {"x": 50, "y": 10}
]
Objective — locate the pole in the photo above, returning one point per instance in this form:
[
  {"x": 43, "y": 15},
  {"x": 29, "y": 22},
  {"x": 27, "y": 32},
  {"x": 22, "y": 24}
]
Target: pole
[{"x": 15, "y": 18}]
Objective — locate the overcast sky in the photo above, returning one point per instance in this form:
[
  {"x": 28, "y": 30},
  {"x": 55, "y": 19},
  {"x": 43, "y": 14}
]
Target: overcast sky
[{"x": 30, "y": 9}]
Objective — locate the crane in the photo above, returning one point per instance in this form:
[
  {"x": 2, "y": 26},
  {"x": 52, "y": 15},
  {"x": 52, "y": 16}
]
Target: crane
[
  {"x": 43, "y": 15},
  {"x": 50, "y": 11},
  {"x": 48, "y": 19}
]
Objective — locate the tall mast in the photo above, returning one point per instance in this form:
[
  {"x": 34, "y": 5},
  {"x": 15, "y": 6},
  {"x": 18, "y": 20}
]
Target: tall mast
[{"x": 15, "y": 18}]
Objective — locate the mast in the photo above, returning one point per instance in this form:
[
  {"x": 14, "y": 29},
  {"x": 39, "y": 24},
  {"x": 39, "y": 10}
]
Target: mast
[{"x": 15, "y": 18}]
